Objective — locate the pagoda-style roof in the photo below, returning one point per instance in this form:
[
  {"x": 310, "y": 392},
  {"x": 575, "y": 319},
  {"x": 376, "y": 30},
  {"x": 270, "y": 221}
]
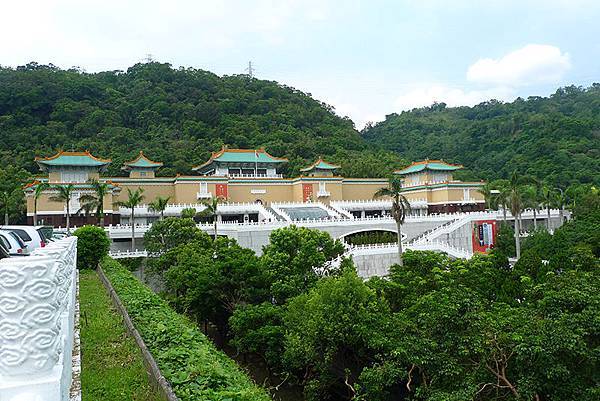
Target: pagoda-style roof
[
  {"x": 320, "y": 165},
  {"x": 241, "y": 156},
  {"x": 141, "y": 161},
  {"x": 436, "y": 165},
  {"x": 76, "y": 159}
]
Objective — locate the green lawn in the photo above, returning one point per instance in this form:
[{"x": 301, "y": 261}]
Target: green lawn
[{"x": 112, "y": 368}]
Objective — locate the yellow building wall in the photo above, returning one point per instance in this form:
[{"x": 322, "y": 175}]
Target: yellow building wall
[
  {"x": 275, "y": 192},
  {"x": 151, "y": 191},
  {"x": 361, "y": 190},
  {"x": 138, "y": 174}
]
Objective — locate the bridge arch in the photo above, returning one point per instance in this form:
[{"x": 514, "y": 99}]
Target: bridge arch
[{"x": 370, "y": 230}]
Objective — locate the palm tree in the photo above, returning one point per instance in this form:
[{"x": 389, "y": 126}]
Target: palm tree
[
  {"x": 516, "y": 202},
  {"x": 561, "y": 201},
  {"x": 64, "y": 194},
  {"x": 211, "y": 210},
  {"x": 547, "y": 198},
  {"x": 159, "y": 205},
  {"x": 37, "y": 193},
  {"x": 134, "y": 198},
  {"x": 531, "y": 196},
  {"x": 95, "y": 201},
  {"x": 501, "y": 195},
  {"x": 400, "y": 207},
  {"x": 487, "y": 190},
  {"x": 5, "y": 202}
]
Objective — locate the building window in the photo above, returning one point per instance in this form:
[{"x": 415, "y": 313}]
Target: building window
[
  {"x": 466, "y": 194},
  {"x": 261, "y": 171},
  {"x": 74, "y": 176},
  {"x": 204, "y": 187},
  {"x": 234, "y": 171},
  {"x": 142, "y": 173}
]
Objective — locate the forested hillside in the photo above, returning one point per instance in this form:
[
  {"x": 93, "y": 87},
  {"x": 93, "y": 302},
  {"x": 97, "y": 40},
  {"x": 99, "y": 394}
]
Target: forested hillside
[
  {"x": 556, "y": 139},
  {"x": 177, "y": 116}
]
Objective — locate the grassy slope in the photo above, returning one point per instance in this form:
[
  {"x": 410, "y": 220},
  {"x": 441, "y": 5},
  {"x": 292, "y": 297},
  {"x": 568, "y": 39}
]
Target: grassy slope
[{"x": 112, "y": 368}]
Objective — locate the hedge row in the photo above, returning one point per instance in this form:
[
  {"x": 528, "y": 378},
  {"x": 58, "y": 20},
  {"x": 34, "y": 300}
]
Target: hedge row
[{"x": 186, "y": 357}]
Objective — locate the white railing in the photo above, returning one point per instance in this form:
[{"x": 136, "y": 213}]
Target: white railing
[
  {"x": 37, "y": 318},
  {"x": 125, "y": 229},
  {"x": 255, "y": 175},
  {"x": 128, "y": 254}
]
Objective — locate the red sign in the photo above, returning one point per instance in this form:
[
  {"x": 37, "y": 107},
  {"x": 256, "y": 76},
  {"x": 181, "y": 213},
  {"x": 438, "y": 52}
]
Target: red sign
[
  {"x": 307, "y": 191},
  {"x": 484, "y": 235},
  {"x": 221, "y": 190}
]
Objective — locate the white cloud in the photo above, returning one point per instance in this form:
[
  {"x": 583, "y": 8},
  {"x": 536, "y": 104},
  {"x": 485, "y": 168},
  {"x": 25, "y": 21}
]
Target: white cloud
[
  {"x": 532, "y": 64},
  {"x": 427, "y": 94}
]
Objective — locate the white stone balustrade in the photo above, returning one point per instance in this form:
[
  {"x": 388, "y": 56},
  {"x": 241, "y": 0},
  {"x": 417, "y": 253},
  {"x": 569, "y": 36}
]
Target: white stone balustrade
[{"x": 37, "y": 320}]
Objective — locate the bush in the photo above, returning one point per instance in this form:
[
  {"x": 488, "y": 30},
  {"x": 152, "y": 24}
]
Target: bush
[
  {"x": 186, "y": 357},
  {"x": 92, "y": 245}
]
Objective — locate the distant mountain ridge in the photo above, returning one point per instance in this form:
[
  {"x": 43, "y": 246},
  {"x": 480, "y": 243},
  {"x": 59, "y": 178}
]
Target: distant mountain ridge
[{"x": 555, "y": 138}]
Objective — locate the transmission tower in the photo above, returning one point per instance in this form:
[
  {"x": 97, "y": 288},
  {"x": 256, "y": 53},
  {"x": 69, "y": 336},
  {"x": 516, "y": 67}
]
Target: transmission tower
[{"x": 250, "y": 70}]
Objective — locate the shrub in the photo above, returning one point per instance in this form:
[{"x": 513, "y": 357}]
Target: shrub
[
  {"x": 92, "y": 246},
  {"x": 186, "y": 357}
]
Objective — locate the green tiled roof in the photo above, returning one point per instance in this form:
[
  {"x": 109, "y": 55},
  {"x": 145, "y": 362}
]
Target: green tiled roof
[
  {"x": 142, "y": 161},
  {"x": 320, "y": 165},
  {"x": 72, "y": 159},
  {"x": 437, "y": 165},
  {"x": 241, "y": 156},
  {"x": 248, "y": 157}
]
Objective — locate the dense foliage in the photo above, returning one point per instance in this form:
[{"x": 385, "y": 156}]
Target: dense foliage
[
  {"x": 92, "y": 245},
  {"x": 177, "y": 116},
  {"x": 435, "y": 329},
  {"x": 187, "y": 359},
  {"x": 555, "y": 138}
]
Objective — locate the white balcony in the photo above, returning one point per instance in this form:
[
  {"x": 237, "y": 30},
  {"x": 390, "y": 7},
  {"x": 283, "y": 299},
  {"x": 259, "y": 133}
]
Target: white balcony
[
  {"x": 204, "y": 195},
  {"x": 323, "y": 194}
]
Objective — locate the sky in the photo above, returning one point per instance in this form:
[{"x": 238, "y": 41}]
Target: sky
[{"x": 366, "y": 58}]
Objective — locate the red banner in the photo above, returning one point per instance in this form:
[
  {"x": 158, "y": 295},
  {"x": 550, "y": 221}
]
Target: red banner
[
  {"x": 307, "y": 191},
  {"x": 221, "y": 190},
  {"x": 484, "y": 235}
]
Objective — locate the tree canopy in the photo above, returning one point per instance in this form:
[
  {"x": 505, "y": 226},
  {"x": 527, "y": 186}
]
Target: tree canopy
[
  {"x": 555, "y": 138},
  {"x": 176, "y": 116}
]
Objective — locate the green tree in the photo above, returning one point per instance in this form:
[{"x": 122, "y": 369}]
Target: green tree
[
  {"x": 64, "y": 193},
  {"x": 332, "y": 332},
  {"x": 92, "y": 245},
  {"x": 40, "y": 187},
  {"x": 295, "y": 258},
  {"x": 134, "y": 199},
  {"x": 11, "y": 193},
  {"x": 171, "y": 232},
  {"x": 212, "y": 282},
  {"x": 95, "y": 201},
  {"x": 487, "y": 190},
  {"x": 516, "y": 202},
  {"x": 400, "y": 207},
  {"x": 188, "y": 213},
  {"x": 211, "y": 211},
  {"x": 159, "y": 205},
  {"x": 548, "y": 198}
]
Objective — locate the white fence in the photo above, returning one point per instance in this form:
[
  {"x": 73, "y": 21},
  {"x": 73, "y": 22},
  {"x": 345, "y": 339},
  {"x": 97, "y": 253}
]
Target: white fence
[{"x": 37, "y": 323}]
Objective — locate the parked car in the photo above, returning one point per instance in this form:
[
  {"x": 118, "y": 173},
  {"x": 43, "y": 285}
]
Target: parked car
[
  {"x": 32, "y": 236},
  {"x": 3, "y": 251},
  {"x": 13, "y": 244}
]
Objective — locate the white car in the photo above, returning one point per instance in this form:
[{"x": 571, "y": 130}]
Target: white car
[
  {"x": 13, "y": 243},
  {"x": 32, "y": 236}
]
